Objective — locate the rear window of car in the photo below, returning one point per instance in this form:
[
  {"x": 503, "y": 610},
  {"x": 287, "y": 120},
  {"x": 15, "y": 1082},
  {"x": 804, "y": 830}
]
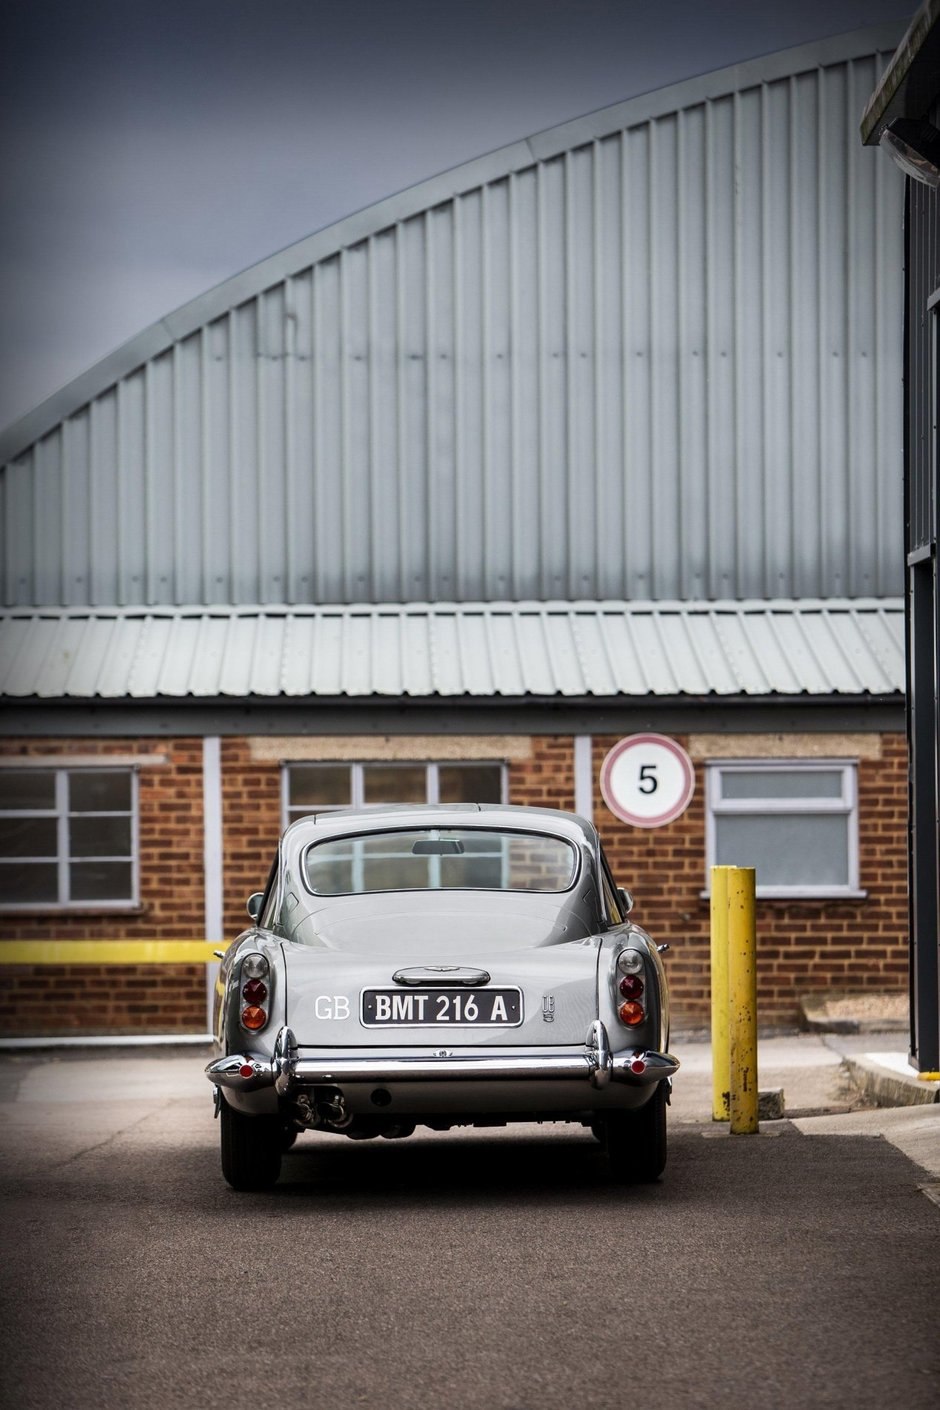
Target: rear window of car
[{"x": 440, "y": 859}]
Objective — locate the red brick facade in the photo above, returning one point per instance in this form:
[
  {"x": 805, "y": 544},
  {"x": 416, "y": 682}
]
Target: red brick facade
[
  {"x": 129, "y": 998},
  {"x": 803, "y": 946}
]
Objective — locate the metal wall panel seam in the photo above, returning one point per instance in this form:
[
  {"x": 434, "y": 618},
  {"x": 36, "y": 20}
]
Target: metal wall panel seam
[
  {"x": 541, "y": 576},
  {"x": 292, "y": 519},
  {"x": 598, "y": 364},
  {"x": 202, "y": 491},
  {"x": 775, "y": 251},
  {"x": 460, "y": 414},
  {"x": 120, "y": 585},
  {"x": 430, "y": 541},
  {"x": 343, "y": 482},
  {"x": 485, "y": 424},
  {"x": 372, "y": 509},
  {"x": 176, "y": 497},
  {"x": 406, "y": 467},
  {"x": 573, "y": 487},
  {"x": 91, "y": 504},
  {"x": 718, "y": 421},
  {"x": 516, "y": 571}
]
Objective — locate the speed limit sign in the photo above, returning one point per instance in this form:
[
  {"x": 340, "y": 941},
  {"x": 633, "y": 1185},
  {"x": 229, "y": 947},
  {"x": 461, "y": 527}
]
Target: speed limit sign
[{"x": 647, "y": 780}]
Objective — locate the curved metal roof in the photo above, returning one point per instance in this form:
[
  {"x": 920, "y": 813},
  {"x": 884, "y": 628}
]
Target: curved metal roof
[
  {"x": 650, "y": 353},
  {"x": 352, "y": 229}
]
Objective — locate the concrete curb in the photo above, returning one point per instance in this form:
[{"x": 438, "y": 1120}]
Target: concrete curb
[
  {"x": 888, "y": 1081},
  {"x": 816, "y": 1018}
]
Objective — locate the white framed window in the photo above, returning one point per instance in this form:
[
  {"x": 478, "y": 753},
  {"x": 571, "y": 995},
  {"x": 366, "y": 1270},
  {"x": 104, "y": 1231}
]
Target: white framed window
[
  {"x": 321, "y": 787},
  {"x": 794, "y": 821},
  {"x": 68, "y": 838}
]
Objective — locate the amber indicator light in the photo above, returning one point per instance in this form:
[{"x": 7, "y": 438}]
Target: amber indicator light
[
  {"x": 253, "y": 1017},
  {"x": 631, "y": 1013}
]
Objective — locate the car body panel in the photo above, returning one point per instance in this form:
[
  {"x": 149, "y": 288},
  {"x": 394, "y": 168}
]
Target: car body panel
[{"x": 320, "y": 1061}]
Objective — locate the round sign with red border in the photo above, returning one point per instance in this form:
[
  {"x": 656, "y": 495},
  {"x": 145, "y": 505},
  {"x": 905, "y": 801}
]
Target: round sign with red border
[{"x": 647, "y": 780}]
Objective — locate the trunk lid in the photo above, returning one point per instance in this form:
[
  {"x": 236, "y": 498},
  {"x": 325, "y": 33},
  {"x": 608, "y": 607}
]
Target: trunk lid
[{"x": 338, "y": 998}]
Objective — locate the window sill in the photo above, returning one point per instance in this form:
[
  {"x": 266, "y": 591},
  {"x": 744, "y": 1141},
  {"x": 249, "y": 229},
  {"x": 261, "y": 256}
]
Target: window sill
[
  {"x": 769, "y": 895},
  {"x": 118, "y": 908}
]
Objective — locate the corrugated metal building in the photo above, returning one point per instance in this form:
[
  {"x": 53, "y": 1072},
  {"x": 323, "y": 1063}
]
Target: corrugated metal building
[
  {"x": 598, "y": 432},
  {"x": 909, "y": 95}
]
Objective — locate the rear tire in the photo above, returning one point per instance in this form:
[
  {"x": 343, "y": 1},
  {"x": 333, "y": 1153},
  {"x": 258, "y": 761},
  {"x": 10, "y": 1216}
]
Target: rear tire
[
  {"x": 251, "y": 1149},
  {"x": 636, "y": 1141}
]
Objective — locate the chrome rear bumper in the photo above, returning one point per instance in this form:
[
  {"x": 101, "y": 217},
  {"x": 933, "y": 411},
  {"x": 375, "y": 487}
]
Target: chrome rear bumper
[{"x": 288, "y": 1072}]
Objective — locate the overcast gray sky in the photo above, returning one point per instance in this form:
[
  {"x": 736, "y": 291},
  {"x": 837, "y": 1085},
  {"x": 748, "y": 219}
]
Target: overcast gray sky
[{"x": 152, "y": 148}]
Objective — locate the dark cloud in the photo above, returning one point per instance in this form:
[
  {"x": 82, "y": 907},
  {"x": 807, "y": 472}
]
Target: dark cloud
[{"x": 152, "y": 149}]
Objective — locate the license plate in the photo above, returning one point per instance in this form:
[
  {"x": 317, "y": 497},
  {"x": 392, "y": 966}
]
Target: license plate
[{"x": 441, "y": 1008}]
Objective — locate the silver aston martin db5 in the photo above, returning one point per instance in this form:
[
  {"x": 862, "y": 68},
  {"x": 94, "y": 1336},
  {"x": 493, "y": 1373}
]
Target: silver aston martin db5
[{"x": 440, "y": 966}]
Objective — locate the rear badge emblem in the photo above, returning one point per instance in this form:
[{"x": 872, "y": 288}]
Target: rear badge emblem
[{"x": 548, "y": 1008}]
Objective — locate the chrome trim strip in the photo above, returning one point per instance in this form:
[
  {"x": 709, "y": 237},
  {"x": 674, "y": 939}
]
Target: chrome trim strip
[
  {"x": 599, "y": 1057},
  {"x": 287, "y": 1070},
  {"x": 226, "y": 1072},
  {"x": 443, "y": 975}
]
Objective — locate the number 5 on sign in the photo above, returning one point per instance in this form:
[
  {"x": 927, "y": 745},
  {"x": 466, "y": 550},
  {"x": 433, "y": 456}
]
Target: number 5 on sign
[{"x": 647, "y": 780}]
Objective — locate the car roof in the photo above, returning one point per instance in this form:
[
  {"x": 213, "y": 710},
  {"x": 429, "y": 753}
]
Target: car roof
[{"x": 406, "y": 815}]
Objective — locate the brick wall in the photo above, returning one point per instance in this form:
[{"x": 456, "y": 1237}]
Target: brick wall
[
  {"x": 251, "y": 825},
  {"x": 808, "y": 946},
  {"x": 130, "y": 998},
  {"x": 803, "y": 946}
]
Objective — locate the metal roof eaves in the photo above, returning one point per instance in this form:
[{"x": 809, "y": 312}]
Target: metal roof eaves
[
  {"x": 790, "y": 607},
  {"x": 249, "y": 283}
]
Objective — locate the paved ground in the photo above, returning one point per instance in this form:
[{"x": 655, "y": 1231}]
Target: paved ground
[{"x": 497, "y": 1269}]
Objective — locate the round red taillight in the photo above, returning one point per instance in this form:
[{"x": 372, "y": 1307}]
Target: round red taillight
[
  {"x": 638, "y": 1066},
  {"x": 254, "y": 991},
  {"x": 253, "y": 1017},
  {"x": 246, "y": 1070},
  {"x": 631, "y": 986},
  {"x": 631, "y": 1013}
]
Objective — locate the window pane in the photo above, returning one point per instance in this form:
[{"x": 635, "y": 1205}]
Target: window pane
[
  {"x": 100, "y": 881},
  {"x": 92, "y": 836},
  {"x": 781, "y": 783},
  {"x": 27, "y": 883},
  {"x": 470, "y": 783},
  {"x": 26, "y": 788},
  {"x": 28, "y": 837},
  {"x": 319, "y": 786},
  {"x": 811, "y": 850},
  {"x": 395, "y": 873},
  {"x": 433, "y": 858},
  {"x": 104, "y": 791},
  {"x": 395, "y": 783},
  {"x": 475, "y": 872}
]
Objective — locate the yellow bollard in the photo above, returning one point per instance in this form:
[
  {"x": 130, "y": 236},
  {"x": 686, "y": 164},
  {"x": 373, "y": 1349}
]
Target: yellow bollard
[
  {"x": 721, "y": 1056},
  {"x": 742, "y": 994}
]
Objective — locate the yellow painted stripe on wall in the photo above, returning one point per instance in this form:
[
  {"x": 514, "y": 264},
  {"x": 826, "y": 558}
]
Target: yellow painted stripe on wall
[{"x": 108, "y": 951}]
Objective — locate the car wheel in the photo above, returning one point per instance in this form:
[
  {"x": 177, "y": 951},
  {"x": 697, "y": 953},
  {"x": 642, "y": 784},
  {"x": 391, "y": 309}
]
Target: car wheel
[
  {"x": 636, "y": 1140},
  {"x": 251, "y": 1149}
]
